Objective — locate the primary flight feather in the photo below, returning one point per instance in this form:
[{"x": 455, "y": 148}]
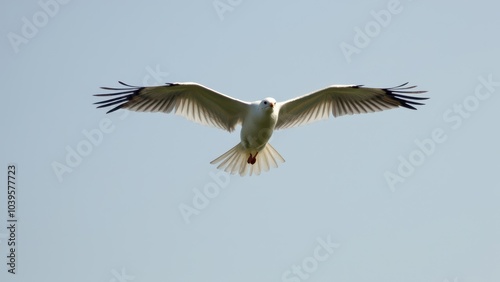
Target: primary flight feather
[{"x": 260, "y": 118}]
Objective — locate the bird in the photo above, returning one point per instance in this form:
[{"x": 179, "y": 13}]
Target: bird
[{"x": 258, "y": 119}]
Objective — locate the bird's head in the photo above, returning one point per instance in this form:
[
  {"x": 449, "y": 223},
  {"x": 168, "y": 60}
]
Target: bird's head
[{"x": 268, "y": 104}]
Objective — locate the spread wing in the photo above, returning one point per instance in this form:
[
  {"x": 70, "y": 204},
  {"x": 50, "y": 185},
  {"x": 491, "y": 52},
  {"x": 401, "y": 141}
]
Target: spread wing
[
  {"x": 190, "y": 100},
  {"x": 345, "y": 100}
]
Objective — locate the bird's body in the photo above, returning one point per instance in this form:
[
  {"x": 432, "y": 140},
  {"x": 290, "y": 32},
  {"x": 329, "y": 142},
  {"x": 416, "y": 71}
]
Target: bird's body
[
  {"x": 258, "y": 119},
  {"x": 257, "y": 128},
  {"x": 258, "y": 125}
]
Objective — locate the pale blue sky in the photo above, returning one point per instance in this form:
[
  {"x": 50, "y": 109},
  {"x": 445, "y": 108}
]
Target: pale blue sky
[{"x": 397, "y": 196}]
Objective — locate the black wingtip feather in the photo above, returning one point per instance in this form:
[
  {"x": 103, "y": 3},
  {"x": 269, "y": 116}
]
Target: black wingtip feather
[
  {"x": 123, "y": 95},
  {"x": 120, "y": 98},
  {"x": 128, "y": 85},
  {"x": 401, "y": 94},
  {"x": 114, "y": 109}
]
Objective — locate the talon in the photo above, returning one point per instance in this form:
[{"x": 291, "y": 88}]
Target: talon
[{"x": 252, "y": 159}]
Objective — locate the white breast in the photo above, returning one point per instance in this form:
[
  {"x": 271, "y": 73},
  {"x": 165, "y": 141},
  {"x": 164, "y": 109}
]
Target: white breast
[{"x": 257, "y": 128}]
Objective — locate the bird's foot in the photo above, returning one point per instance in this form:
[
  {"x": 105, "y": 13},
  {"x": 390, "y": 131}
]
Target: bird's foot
[{"x": 252, "y": 159}]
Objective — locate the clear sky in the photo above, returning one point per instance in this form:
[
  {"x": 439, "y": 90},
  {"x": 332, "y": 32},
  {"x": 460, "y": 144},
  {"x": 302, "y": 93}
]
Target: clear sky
[{"x": 394, "y": 196}]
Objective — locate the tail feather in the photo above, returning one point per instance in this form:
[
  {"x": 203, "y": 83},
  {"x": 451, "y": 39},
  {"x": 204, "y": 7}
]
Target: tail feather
[{"x": 235, "y": 160}]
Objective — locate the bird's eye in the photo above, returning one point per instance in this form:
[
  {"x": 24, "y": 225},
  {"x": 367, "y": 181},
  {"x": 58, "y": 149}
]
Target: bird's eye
[{"x": 265, "y": 102}]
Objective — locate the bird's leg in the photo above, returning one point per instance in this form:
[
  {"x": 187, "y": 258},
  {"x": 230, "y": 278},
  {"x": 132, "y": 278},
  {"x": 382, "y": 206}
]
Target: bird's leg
[{"x": 252, "y": 160}]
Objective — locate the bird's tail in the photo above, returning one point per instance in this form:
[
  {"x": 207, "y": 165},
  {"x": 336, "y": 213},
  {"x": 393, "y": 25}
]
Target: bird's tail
[{"x": 236, "y": 160}]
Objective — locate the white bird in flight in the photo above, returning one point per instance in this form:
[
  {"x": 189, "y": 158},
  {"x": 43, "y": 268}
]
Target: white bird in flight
[{"x": 260, "y": 118}]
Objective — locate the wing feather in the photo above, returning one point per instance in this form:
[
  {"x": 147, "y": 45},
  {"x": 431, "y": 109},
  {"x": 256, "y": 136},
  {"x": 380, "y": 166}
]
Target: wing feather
[
  {"x": 190, "y": 100},
  {"x": 342, "y": 100}
]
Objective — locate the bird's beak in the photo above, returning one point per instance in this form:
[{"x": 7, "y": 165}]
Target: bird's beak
[{"x": 272, "y": 105}]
